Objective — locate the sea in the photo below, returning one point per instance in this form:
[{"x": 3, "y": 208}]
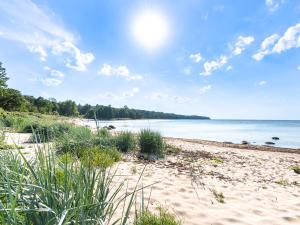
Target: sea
[{"x": 253, "y": 131}]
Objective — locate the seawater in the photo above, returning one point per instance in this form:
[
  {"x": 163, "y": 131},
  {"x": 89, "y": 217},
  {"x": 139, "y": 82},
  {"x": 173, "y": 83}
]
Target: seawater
[{"x": 254, "y": 131}]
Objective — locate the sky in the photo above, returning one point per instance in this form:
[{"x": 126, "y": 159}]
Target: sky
[{"x": 218, "y": 58}]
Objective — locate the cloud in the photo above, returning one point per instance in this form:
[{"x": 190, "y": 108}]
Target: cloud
[
  {"x": 196, "y": 57},
  {"x": 113, "y": 96},
  {"x": 273, "y": 5},
  {"x": 238, "y": 48},
  {"x": 117, "y": 71},
  {"x": 205, "y": 89},
  {"x": 39, "y": 50},
  {"x": 210, "y": 66},
  {"x": 278, "y": 44},
  {"x": 298, "y": 67},
  {"x": 228, "y": 68},
  {"x": 241, "y": 44},
  {"x": 53, "y": 72},
  {"x": 41, "y": 33},
  {"x": 51, "y": 82},
  {"x": 262, "y": 83}
]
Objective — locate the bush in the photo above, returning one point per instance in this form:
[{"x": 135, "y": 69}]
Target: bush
[
  {"x": 163, "y": 218},
  {"x": 151, "y": 142},
  {"x": 125, "y": 141},
  {"x": 97, "y": 157}
]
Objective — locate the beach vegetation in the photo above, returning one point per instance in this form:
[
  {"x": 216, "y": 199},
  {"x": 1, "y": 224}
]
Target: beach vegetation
[
  {"x": 296, "y": 169},
  {"x": 171, "y": 149},
  {"x": 283, "y": 182},
  {"x": 125, "y": 141},
  {"x": 151, "y": 142},
  {"x": 97, "y": 157},
  {"x": 216, "y": 161},
  {"x": 47, "y": 191},
  {"x": 219, "y": 196},
  {"x": 162, "y": 218}
]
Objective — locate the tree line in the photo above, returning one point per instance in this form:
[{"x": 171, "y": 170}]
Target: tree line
[{"x": 13, "y": 100}]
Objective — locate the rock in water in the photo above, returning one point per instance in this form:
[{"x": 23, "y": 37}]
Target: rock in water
[
  {"x": 245, "y": 142},
  {"x": 269, "y": 143},
  {"x": 112, "y": 127},
  {"x": 275, "y": 138}
]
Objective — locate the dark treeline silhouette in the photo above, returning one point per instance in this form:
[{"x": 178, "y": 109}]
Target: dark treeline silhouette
[{"x": 13, "y": 100}]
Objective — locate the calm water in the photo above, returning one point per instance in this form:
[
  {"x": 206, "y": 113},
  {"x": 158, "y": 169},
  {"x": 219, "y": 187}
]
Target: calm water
[{"x": 254, "y": 131}]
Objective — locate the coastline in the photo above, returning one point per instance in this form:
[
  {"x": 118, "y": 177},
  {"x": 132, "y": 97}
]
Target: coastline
[
  {"x": 238, "y": 146},
  {"x": 82, "y": 122}
]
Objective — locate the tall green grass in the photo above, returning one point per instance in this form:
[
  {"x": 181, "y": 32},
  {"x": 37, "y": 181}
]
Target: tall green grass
[
  {"x": 162, "y": 218},
  {"x": 150, "y": 142},
  {"x": 48, "y": 191},
  {"x": 125, "y": 141}
]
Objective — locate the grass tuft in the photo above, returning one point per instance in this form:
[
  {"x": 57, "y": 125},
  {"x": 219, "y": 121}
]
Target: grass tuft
[
  {"x": 125, "y": 141},
  {"x": 163, "y": 218},
  {"x": 151, "y": 142}
]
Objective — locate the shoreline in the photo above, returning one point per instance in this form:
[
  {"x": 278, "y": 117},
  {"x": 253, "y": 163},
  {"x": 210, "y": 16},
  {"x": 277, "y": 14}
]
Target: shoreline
[
  {"x": 238, "y": 146},
  {"x": 82, "y": 122}
]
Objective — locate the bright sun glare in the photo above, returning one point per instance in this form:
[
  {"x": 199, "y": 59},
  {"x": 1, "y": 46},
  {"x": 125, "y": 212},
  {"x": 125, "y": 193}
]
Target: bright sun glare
[{"x": 150, "y": 29}]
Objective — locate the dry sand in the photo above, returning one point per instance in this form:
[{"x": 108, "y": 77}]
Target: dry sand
[{"x": 258, "y": 186}]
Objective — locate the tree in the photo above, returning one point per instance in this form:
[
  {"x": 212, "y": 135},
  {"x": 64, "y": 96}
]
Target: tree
[
  {"x": 3, "y": 77},
  {"x": 68, "y": 108},
  {"x": 12, "y": 100}
]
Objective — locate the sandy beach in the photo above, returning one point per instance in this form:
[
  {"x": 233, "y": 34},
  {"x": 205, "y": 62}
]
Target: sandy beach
[{"x": 214, "y": 185}]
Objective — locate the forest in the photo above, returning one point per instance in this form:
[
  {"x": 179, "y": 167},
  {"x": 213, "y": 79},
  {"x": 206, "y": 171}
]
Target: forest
[{"x": 13, "y": 100}]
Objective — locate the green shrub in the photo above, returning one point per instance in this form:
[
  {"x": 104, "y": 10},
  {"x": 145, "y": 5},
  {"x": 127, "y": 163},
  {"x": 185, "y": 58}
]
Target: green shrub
[
  {"x": 150, "y": 142},
  {"x": 125, "y": 141},
  {"x": 163, "y": 218},
  {"x": 97, "y": 157}
]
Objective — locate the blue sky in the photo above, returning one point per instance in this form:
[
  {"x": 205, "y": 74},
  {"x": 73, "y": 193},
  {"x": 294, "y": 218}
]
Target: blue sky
[{"x": 220, "y": 58}]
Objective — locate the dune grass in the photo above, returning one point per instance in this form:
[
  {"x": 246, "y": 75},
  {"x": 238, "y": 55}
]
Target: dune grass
[
  {"x": 162, "y": 218},
  {"x": 48, "y": 191},
  {"x": 125, "y": 141},
  {"x": 151, "y": 142}
]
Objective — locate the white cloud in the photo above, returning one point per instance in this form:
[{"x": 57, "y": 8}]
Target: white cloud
[
  {"x": 196, "y": 57},
  {"x": 53, "y": 72},
  {"x": 78, "y": 61},
  {"x": 40, "y": 51},
  {"x": 276, "y": 44},
  {"x": 273, "y": 5},
  {"x": 118, "y": 71},
  {"x": 262, "y": 83},
  {"x": 41, "y": 33},
  {"x": 205, "y": 89},
  {"x": 210, "y": 66},
  {"x": 51, "y": 82},
  {"x": 228, "y": 68},
  {"x": 241, "y": 44}
]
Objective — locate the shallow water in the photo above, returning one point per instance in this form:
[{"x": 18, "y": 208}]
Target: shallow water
[{"x": 253, "y": 131}]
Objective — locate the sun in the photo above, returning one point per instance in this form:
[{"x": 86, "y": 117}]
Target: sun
[{"x": 150, "y": 29}]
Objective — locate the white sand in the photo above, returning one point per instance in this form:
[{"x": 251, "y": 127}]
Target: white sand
[{"x": 247, "y": 179}]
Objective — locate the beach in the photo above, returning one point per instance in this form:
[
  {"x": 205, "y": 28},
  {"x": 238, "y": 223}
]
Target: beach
[{"x": 213, "y": 185}]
